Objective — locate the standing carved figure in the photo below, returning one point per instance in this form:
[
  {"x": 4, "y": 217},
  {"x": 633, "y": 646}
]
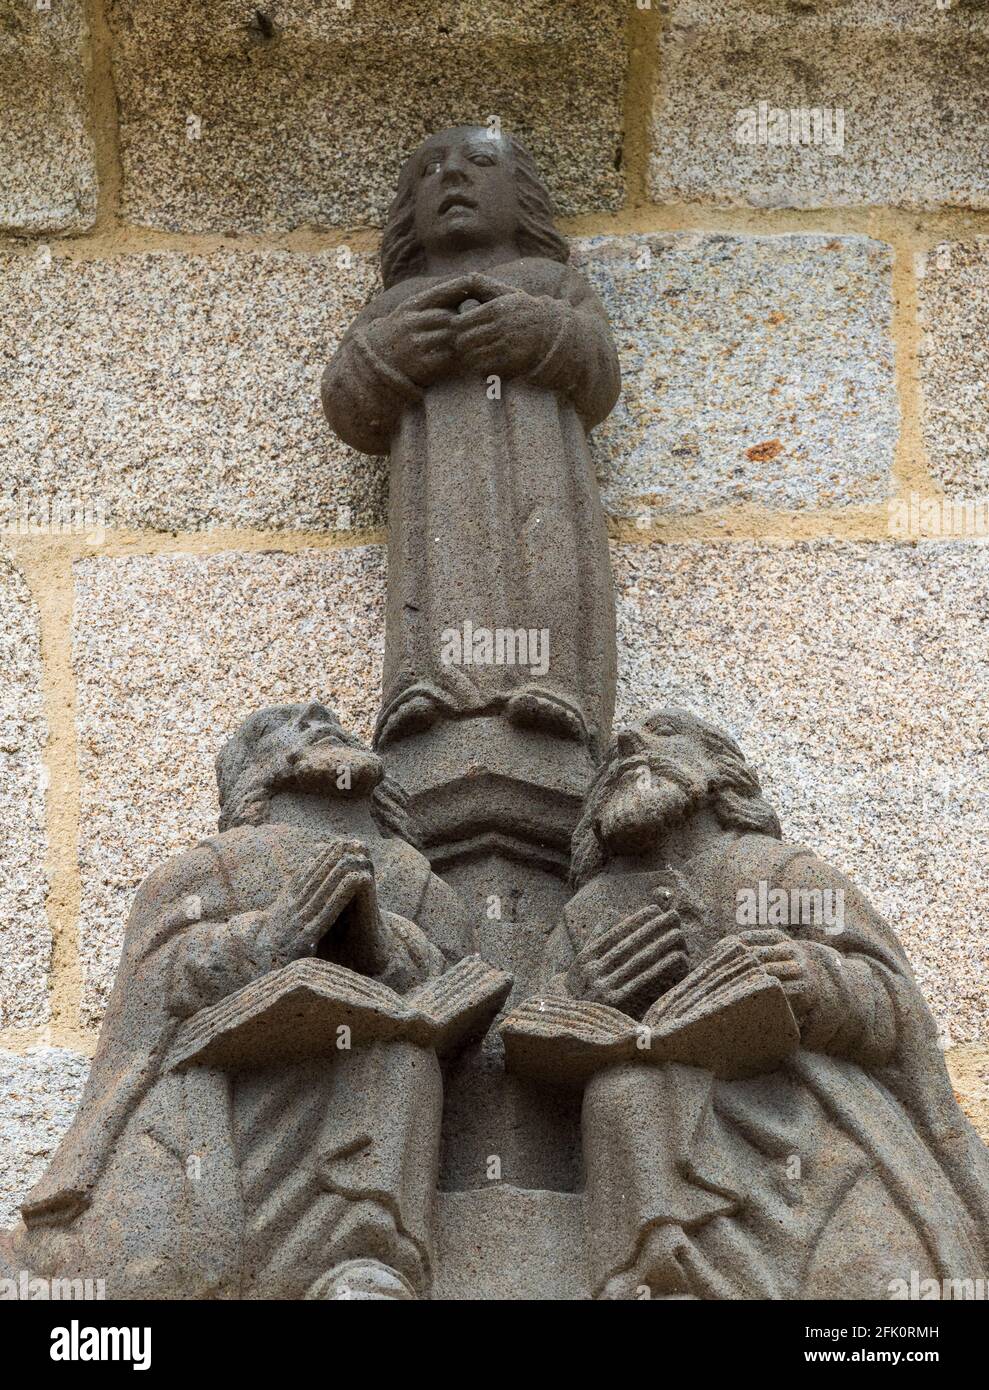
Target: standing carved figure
[{"x": 480, "y": 369}]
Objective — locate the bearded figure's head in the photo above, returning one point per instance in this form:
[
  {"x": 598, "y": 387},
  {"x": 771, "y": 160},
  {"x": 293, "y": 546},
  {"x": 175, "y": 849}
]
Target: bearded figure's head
[
  {"x": 654, "y": 776},
  {"x": 302, "y": 747},
  {"x": 462, "y": 189}
]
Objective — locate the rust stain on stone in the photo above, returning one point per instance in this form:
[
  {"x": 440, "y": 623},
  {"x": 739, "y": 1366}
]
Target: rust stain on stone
[{"x": 762, "y": 453}]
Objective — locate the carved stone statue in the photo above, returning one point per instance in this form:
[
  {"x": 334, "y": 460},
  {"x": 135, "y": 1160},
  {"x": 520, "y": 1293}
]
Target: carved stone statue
[
  {"x": 479, "y": 370},
  {"x": 830, "y": 1172},
  {"x": 715, "y": 1078},
  {"x": 311, "y": 1177}
]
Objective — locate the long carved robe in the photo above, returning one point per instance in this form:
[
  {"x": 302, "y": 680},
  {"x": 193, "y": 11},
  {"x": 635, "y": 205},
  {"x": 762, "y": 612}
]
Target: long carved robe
[
  {"x": 202, "y": 1184},
  {"x": 847, "y": 1168},
  {"x": 494, "y": 515}
]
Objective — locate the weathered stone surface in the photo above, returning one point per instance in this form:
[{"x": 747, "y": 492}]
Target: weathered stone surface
[
  {"x": 39, "y": 1092},
  {"x": 910, "y": 80},
  {"x": 854, "y": 678},
  {"x": 306, "y": 116},
  {"x": 182, "y": 391},
  {"x": 170, "y": 653},
  {"x": 824, "y": 660},
  {"x": 727, "y": 344},
  {"x": 754, "y": 369},
  {"x": 47, "y": 167},
  {"x": 504, "y": 1243},
  {"x": 25, "y": 939},
  {"x": 954, "y": 305}
]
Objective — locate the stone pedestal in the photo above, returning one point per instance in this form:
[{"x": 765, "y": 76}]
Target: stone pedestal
[
  {"x": 482, "y": 788},
  {"x": 496, "y": 806}
]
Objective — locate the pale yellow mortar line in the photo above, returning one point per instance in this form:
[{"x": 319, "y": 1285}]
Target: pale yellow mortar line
[
  {"x": 23, "y": 1040},
  {"x": 126, "y": 542},
  {"x": 103, "y": 118},
  {"x": 924, "y": 229},
  {"x": 47, "y": 571},
  {"x": 640, "y": 86},
  {"x": 729, "y": 524},
  {"x": 911, "y": 473},
  {"x": 739, "y": 524},
  {"x": 968, "y": 1067},
  {"x": 746, "y": 523}
]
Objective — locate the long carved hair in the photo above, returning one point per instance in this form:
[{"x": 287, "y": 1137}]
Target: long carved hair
[
  {"x": 401, "y": 254},
  {"x": 734, "y": 793},
  {"x": 246, "y": 781}
]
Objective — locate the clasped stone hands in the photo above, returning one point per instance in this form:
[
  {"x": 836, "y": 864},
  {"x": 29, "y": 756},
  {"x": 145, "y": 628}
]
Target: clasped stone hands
[
  {"x": 629, "y": 965},
  {"x": 331, "y": 905},
  {"x": 506, "y": 333}
]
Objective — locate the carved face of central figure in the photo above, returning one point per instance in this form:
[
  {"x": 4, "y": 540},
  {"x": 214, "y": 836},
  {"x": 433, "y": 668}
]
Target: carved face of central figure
[{"x": 465, "y": 194}]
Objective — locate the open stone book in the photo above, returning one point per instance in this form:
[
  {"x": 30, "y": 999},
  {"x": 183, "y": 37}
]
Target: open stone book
[
  {"x": 298, "y": 1012},
  {"x": 729, "y": 1015}
]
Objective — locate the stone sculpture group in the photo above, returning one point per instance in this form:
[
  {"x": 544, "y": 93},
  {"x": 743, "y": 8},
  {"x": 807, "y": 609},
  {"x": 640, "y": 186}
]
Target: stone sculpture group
[{"x": 416, "y": 1012}]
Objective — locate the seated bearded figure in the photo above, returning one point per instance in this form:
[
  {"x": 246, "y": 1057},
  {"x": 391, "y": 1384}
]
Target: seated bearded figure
[
  {"x": 838, "y": 1169},
  {"x": 310, "y": 1179}
]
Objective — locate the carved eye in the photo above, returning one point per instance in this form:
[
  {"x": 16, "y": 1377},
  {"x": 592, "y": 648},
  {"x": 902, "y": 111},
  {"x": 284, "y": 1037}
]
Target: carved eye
[
  {"x": 432, "y": 166},
  {"x": 484, "y": 159}
]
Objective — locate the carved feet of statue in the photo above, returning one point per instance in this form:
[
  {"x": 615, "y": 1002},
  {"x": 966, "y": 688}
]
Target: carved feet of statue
[
  {"x": 364, "y": 1280},
  {"x": 418, "y": 707},
  {"x": 533, "y": 708},
  {"x": 414, "y": 710}
]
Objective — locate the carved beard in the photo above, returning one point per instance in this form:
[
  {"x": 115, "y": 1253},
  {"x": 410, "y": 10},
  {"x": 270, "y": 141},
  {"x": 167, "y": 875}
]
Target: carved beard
[
  {"x": 635, "y": 817},
  {"x": 314, "y": 768},
  {"x": 334, "y": 768}
]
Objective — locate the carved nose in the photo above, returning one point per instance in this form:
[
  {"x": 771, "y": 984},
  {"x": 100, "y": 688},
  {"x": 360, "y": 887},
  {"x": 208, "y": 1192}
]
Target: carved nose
[
  {"x": 627, "y": 743},
  {"x": 312, "y": 714}
]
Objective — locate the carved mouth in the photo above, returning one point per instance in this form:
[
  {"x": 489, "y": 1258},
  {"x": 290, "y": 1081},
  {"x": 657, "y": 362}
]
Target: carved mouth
[{"x": 456, "y": 200}]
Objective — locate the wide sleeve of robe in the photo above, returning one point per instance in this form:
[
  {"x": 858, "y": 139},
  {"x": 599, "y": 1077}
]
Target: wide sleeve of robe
[
  {"x": 581, "y": 363},
  {"x": 363, "y": 396}
]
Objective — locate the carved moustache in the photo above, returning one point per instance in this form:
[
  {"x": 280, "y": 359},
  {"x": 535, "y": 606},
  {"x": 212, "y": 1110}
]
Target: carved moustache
[{"x": 335, "y": 767}]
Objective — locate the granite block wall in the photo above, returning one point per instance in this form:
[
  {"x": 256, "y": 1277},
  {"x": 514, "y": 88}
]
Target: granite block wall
[{"x": 785, "y": 208}]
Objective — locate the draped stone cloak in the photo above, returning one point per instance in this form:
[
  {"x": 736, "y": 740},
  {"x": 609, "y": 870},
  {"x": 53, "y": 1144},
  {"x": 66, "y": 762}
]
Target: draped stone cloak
[
  {"x": 358, "y": 1150},
  {"x": 847, "y": 1168},
  {"x": 494, "y": 514}
]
